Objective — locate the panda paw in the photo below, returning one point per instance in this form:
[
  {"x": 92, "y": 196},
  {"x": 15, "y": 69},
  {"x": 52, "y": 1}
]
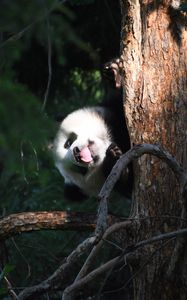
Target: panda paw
[{"x": 114, "y": 151}]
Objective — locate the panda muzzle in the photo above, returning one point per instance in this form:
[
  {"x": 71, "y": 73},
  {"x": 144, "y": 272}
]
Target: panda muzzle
[{"x": 83, "y": 155}]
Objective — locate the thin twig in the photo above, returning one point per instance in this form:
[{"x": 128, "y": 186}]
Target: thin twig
[
  {"x": 49, "y": 56},
  {"x": 113, "y": 244},
  {"x": 156, "y": 239},
  {"x": 93, "y": 254},
  {"x": 9, "y": 287},
  {"x": 140, "y": 269}
]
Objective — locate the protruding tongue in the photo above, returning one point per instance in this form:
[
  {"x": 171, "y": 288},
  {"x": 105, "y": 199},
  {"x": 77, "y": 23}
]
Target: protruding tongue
[{"x": 85, "y": 155}]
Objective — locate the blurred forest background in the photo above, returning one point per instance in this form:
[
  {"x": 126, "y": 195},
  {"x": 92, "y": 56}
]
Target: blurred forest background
[{"x": 52, "y": 53}]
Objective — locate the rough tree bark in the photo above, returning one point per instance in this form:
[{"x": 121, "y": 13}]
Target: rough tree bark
[{"x": 154, "y": 56}]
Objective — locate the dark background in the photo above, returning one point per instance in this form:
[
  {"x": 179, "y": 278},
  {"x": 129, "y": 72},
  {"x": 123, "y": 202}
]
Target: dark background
[{"x": 62, "y": 46}]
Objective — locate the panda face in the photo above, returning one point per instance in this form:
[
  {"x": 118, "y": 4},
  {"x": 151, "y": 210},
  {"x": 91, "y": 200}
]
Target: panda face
[{"x": 82, "y": 140}]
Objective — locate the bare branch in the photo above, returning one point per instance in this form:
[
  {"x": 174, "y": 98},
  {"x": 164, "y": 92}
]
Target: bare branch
[
  {"x": 101, "y": 218},
  {"x": 66, "y": 268},
  {"x": 54, "y": 220},
  {"x": 57, "y": 277},
  {"x": 32, "y": 221},
  {"x": 157, "y": 238},
  {"x": 70, "y": 290},
  {"x": 93, "y": 254},
  {"x": 128, "y": 253},
  {"x": 10, "y": 289},
  {"x": 147, "y": 261},
  {"x": 134, "y": 153}
]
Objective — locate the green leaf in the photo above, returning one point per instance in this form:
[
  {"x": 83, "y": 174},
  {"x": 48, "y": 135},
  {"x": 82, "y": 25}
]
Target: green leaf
[
  {"x": 6, "y": 270},
  {"x": 183, "y": 7},
  {"x": 3, "y": 291}
]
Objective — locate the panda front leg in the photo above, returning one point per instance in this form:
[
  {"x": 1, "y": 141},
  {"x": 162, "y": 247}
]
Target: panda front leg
[
  {"x": 113, "y": 153},
  {"x": 125, "y": 182}
]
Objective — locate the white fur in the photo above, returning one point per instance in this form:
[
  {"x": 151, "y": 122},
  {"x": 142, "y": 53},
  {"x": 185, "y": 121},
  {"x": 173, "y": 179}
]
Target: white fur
[{"x": 90, "y": 128}]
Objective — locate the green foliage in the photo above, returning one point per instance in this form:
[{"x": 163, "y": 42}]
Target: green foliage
[
  {"x": 24, "y": 127},
  {"x": 6, "y": 270},
  {"x": 3, "y": 292},
  {"x": 29, "y": 180},
  {"x": 84, "y": 89},
  {"x": 183, "y": 6},
  {"x": 39, "y": 20}
]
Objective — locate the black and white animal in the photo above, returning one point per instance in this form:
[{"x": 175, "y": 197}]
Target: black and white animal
[{"x": 88, "y": 144}]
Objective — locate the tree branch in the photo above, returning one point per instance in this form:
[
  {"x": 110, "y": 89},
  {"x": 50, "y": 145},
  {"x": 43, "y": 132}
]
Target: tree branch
[
  {"x": 56, "y": 279},
  {"x": 32, "y": 221},
  {"x": 93, "y": 254},
  {"x": 63, "y": 220},
  {"x": 128, "y": 253},
  {"x": 134, "y": 153}
]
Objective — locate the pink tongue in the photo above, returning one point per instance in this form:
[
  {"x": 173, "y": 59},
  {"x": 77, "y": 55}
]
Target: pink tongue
[{"x": 85, "y": 155}]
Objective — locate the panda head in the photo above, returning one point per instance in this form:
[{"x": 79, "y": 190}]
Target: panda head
[{"x": 82, "y": 140}]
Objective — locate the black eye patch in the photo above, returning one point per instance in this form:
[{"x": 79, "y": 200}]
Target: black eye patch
[
  {"x": 70, "y": 140},
  {"x": 67, "y": 144}
]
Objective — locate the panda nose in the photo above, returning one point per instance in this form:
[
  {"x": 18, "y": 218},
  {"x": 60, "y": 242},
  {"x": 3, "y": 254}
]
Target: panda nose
[{"x": 76, "y": 151}]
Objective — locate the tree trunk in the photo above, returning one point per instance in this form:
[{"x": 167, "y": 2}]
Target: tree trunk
[{"x": 154, "y": 55}]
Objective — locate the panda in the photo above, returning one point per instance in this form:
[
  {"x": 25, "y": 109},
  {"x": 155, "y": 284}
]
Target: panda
[{"x": 88, "y": 143}]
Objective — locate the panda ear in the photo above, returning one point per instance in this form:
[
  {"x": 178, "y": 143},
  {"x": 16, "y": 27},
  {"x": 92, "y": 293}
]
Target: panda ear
[{"x": 59, "y": 117}]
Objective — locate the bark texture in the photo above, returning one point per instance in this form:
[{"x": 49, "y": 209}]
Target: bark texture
[
  {"x": 154, "y": 56},
  {"x": 55, "y": 220},
  {"x": 32, "y": 221}
]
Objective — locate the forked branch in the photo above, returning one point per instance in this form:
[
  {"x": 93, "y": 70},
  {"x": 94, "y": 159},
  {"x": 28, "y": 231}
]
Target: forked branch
[{"x": 134, "y": 153}]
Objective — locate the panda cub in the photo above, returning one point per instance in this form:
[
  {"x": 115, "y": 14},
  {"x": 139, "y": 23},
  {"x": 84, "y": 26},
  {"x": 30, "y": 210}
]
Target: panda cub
[{"x": 88, "y": 144}]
